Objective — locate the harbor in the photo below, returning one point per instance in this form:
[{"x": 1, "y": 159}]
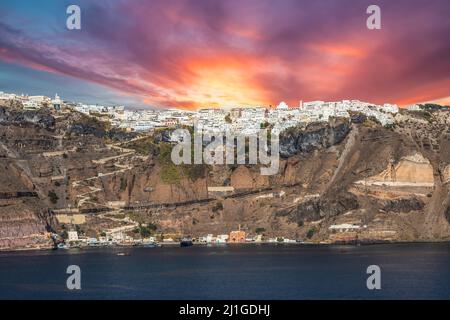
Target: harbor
[{"x": 120, "y": 238}]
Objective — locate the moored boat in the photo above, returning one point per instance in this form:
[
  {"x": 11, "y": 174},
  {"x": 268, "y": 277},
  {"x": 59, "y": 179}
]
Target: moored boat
[{"x": 186, "y": 242}]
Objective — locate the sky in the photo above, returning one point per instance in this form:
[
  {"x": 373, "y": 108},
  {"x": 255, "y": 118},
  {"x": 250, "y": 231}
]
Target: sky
[{"x": 225, "y": 53}]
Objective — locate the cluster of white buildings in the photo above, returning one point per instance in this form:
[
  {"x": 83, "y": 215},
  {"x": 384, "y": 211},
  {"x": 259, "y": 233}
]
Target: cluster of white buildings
[
  {"x": 210, "y": 239},
  {"x": 250, "y": 120},
  {"x": 33, "y": 102},
  {"x": 116, "y": 238},
  {"x": 121, "y": 238},
  {"x": 237, "y": 120},
  {"x": 322, "y": 111},
  {"x": 225, "y": 238},
  {"x": 136, "y": 120}
]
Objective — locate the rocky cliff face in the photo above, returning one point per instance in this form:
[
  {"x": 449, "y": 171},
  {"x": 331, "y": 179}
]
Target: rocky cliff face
[
  {"x": 315, "y": 136},
  {"x": 23, "y": 226},
  {"x": 25, "y": 222},
  {"x": 19, "y": 117},
  {"x": 391, "y": 184}
]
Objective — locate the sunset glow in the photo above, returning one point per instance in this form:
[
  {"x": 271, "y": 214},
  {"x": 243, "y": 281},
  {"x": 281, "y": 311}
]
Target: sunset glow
[{"x": 193, "y": 54}]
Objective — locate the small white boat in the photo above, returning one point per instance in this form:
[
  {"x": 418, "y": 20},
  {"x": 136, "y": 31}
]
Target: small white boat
[{"x": 123, "y": 254}]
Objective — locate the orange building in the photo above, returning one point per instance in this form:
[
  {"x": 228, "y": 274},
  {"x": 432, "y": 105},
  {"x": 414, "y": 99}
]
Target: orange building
[{"x": 237, "y": 237}]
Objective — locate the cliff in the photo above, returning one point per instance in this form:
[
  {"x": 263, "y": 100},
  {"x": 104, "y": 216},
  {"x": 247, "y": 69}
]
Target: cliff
[
  {"x": 390, "y": 184},
  {"x": 315, "y": 136}
]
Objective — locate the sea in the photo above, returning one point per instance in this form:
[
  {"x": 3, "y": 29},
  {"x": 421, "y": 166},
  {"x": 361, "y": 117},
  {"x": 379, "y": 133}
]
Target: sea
[{"x": 230, "y": 272}]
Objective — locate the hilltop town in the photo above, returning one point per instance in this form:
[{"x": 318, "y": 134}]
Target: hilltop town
[
  {"x": 75, "y": 174},
  {"x": 243, "y": 120}
]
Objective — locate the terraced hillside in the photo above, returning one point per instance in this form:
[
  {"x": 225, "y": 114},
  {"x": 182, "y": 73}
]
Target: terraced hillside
[{"x": 338, "y": 181}]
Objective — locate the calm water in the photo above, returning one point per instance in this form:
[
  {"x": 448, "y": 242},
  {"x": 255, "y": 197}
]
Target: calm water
[{"x": 234, "y": 272}]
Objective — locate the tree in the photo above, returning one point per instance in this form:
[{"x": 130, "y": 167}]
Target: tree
[
  {"x": 144, "y": 232},
  {"x": 311, "y": 233},
  {"x": 228, "y": 118},
  {"x": 264, "y": 125}
]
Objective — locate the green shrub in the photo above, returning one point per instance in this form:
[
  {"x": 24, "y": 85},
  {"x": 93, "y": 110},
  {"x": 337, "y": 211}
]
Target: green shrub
[
  {"x": 144, "y": 146},
  {"x": 53, "y": 197},
  {"x": 311, "y": 233},
  {"x": 264, "y": 125},
  {"x": 170, "y": 175},
  {"x": 147, "y": 231},
  {"x": 169, "y": 171}
]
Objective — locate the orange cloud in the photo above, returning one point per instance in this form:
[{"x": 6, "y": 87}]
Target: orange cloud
[{"x": 222, "y": 81}]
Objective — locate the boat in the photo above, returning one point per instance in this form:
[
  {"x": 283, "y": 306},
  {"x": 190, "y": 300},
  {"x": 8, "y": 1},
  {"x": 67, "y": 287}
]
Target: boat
[
  {"x": 123, "y": 254},
  {"x": 150, "y": 245},
  {"x": 62, "y": 246},
  {"x": 186, "y": 242}
]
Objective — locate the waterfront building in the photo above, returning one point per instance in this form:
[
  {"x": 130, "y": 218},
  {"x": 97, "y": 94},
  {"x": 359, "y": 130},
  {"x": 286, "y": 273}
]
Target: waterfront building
[
  {"x": 222, "y": 238},
  {"x": 210, "y": 238},
  {"x": 237, "y": 237},
  {"x": 117, "y": 237},
  {"x": 257, "y": 238},
  {"x": 72, "y": 236}
]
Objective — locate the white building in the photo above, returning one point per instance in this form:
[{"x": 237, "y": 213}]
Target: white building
[
  {"x": 392, "y": 108},
  {"x": 282, "y": 106},
  {"x": 413, "y": 107},
  {"x": 222, "y": 238},
  {"x": 210, "y": 238},
  {"x": 39, "y": 99},
  {"x": 7, "y": 96},
  {"x": 72, "y": 236},
  {"x": 31, "y": 105},
  {"x": 57, "y": 102},
  {"x": 344, "y": 227}
]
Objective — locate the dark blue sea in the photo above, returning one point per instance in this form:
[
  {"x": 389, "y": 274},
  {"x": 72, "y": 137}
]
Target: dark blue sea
[{"x": 408, "y": 271}]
